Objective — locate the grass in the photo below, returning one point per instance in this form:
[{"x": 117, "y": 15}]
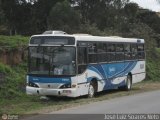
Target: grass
[
  {"x": 12, "y": 42},
  {"x": 13, "y": 83},
  {"x": 153, "y": 65}
]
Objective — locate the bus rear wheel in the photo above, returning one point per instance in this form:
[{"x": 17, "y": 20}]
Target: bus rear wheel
[
  {"x": 91, "y": 90},
  {"x": 128, "y": 83}
]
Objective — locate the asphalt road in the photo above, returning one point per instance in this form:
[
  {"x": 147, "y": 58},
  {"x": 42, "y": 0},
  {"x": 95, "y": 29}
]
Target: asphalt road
[{"x": 143, "y": 103}]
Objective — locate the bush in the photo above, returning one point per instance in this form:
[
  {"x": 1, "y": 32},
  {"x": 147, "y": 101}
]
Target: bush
[
  {"x": 13, "y": 42},
  {"x": 14, "y": 81}
]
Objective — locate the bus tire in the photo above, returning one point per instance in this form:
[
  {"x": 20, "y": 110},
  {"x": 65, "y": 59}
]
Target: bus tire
[
  {"x": 128, "y": 85},
  {"x": 91, "y": 90}
]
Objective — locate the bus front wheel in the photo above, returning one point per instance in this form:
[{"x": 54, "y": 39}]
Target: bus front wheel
[{"x": 91, "y": 90}]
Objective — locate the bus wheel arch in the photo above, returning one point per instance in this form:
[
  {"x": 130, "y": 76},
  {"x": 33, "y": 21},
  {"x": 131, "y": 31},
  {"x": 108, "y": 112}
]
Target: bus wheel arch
[{"x": 93, "y": 88}]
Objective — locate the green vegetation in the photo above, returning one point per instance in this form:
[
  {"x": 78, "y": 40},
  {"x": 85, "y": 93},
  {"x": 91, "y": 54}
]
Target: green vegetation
[
  {"x": 12, "y": 86},
  {"x": 153, "y": 65},
  {"x": 13, "y": 42},
  {"x": 13, "y": 81}
]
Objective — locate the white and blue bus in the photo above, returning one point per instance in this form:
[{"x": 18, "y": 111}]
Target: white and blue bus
[{"x": 76, "y": 65}]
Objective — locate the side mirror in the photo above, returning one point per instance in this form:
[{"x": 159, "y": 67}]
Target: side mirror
[{"x": 73, "y": 62}]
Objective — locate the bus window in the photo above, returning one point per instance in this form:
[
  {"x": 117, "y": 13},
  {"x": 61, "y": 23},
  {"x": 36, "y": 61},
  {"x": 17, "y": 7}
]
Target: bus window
[
  {"x": 127, "y": 52},
  {"x": 101, "y": 50},
  {"x": 111, "y": 48},
  {"x": 45, "y": 60},
  {"x": 92, "y": 48},
  {"x": 140, "y": 47},
  {"x": 92, "y": 54},
  {"x": 141, "y": 54},
  {"x": 119, "y": 52},
  {"x": 101, "y": 47},
  {"x": 134, "y": 51},
  {"x": 92, "y": 58},
  {"x": 111, "y": 52},
  {"x": 82, "y": 59},
  {"x": 119, "y": 48}
]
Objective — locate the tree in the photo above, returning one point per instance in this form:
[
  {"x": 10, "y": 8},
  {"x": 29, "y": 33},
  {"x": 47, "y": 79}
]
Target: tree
[
  {"x": 102, "y": 13},
  {"x": 150, "y": 18},
  {"x": 63, "y": 17},
  {"x": 27, "y": 17},
  {"x": 18, "y": 16},
  {"x": 40, "y": 13},
  {"x": 131, "y": 10},
  {"x": 1, "y": 14},
  {"x": 23, "y": 22},
  {"x": 3, "y": 26},
  {"x": 10, "y": 13}
]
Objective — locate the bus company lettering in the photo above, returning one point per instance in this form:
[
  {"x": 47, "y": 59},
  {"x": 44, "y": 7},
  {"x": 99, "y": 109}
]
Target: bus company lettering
[
  {"x": 112, "y": 69},
  {"x": 65, "y": 79}
]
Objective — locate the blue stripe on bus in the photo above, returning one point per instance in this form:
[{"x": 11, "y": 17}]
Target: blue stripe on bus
[
  {"x": 110, "y": 85},
  {"x": 119, "y": 69},
  {"x": 49, "y": 80},
  {"x": 93, "y": 68},
  {"x": 101, "y": 70}
]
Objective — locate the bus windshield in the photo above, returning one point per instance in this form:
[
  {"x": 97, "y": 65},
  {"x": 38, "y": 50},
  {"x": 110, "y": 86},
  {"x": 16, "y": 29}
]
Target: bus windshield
[{"x": 52, "y": 60}]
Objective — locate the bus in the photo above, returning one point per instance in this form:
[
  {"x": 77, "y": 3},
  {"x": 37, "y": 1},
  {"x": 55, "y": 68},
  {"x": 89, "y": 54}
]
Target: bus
[{"x": 81, "y": 64}]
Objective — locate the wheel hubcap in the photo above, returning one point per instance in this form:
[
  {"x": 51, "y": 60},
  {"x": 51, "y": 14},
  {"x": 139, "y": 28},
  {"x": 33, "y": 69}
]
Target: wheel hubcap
[
  {"x": 129, "y": 83},
  {"x": 91, "y": 91}
]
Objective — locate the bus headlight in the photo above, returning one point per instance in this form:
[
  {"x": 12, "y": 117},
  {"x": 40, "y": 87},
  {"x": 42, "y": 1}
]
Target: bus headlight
[
  {"x": 65, "y": 86},
  {"x": 31, "y": 84}
]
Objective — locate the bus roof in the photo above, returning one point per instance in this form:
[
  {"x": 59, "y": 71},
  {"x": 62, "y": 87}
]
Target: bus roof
[{"x": 82, "y": 37}]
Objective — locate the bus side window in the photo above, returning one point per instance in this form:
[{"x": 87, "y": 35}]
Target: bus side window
[
  {"x": 127, "y": 52},
  {"x": 111, "y": 52},
  {"x": 82, "y": 59},
  {"x": 141, "y": 53},
  {"x": 134, "y": 51},
  {"x": 100, "y": 47},
  {"x": 101, "y": 52},
  {"x": 119, "y": 52},
  {"x": 92, "y": 48},
  {"x": 92, "y": 54}
]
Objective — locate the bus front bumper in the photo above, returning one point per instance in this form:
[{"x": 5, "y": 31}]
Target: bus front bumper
[{"x": 69, "y": 92}]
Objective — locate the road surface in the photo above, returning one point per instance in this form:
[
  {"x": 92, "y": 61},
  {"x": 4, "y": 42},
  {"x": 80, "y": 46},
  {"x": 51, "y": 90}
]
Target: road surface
[{"x": 143, "y": 103}]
